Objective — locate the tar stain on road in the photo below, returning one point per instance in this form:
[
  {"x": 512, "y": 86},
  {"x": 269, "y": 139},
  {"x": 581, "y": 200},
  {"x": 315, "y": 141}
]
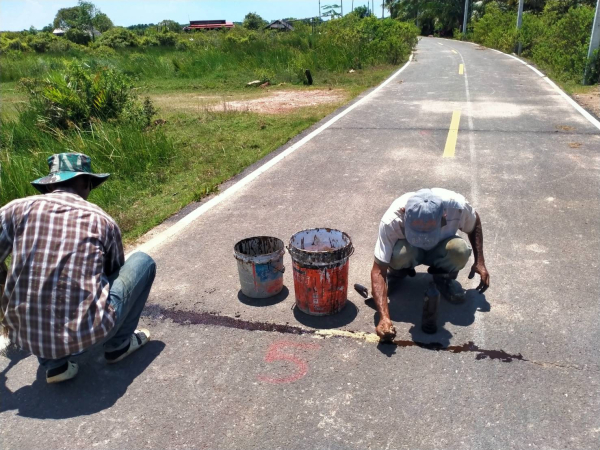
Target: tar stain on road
[
  {"x": 469, "y": 347},
  {"x": 211, "y": 319}
]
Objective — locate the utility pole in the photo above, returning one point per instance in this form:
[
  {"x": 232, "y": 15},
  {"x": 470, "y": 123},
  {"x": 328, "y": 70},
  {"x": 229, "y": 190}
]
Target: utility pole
[
  {"x": 382, "y": 10},
  {"x": 342, "y": 3},
  {"x": 594, "y": 39},
  {"x": 373, "y": 7},
  {"x": 519, "y": 23},
  {"x": 352, "y": 5},
  {"x": 466, "y": 16}
]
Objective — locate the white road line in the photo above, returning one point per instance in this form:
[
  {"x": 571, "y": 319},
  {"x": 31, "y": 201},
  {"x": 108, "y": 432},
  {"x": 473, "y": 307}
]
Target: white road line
[
  {"x": 191, "y": 217},
  {"x": 478, "y": 325},
  {"x": 574, "y": 104},
  {"x": 562, "y": 93}
]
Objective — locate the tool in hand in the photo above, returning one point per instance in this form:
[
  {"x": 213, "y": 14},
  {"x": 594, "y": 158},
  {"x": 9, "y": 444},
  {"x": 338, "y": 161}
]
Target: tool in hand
[{"x": 362, "y": 291}]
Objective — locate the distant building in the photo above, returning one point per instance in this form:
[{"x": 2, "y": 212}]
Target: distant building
[
  {"x": 208, "y": 25},
  {"x": 280, "y": 25},
  {"x": 61, "y": 32}
]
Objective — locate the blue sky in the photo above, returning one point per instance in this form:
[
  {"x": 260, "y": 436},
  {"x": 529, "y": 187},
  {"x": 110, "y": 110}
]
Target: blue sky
[{"x": 17, "y": 15}]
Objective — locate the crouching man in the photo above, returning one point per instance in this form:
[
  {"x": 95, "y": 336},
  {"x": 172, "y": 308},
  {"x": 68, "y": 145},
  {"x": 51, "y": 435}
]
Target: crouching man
[
  {"x": 68, "y": 287},
  {"x": 420, "y": 228}
]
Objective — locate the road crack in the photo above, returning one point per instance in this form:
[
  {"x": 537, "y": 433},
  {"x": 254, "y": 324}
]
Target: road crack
[{"x": 214, "y": 319}]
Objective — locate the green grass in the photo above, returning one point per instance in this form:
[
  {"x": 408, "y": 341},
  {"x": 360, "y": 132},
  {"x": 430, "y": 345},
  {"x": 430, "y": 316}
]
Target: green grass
[{"x": 159, "y": 171}]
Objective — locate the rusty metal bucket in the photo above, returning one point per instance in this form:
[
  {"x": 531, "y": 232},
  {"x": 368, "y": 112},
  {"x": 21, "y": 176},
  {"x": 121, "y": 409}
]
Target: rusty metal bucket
[
  {"x": 260, "y": 265},
  {"x": 321, "y": 258}
]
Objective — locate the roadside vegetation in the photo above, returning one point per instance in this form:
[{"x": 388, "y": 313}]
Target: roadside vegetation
[
  {"x": 150, "y": 104},
  {"x": 555, "y": 34}
]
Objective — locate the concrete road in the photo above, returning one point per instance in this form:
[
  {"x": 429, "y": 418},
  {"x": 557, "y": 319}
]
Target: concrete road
[{"x": 519, "y": 366}]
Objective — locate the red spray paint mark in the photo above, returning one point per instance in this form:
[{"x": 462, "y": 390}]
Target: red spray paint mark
[{"x": 276, "y": 353}]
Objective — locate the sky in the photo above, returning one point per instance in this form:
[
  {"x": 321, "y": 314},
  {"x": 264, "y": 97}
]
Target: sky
[{"x": 16, "y": 15}]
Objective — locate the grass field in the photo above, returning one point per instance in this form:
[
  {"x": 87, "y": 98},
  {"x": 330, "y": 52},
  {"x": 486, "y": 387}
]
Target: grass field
[
  {"x": 209, "y": 125},
  {"x": 202, "y": 146}
]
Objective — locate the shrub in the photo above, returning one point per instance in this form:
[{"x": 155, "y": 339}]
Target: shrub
[
  {"x": 563, "y": 49},
  {"x": 41, "y": 42},
  {"x": 496, "y": 28},
  {"x": 556, "y": 40},
  {"x": 149, "y": 41},
  {"x": 168, "y": 39},
  {"x": 118, "y": 37},
  {"x": 368, "y": 41},
  {"x": 78, "y": 96},
  {"x": 78, "y": 36},
  {"x": 105, "y": 51}
]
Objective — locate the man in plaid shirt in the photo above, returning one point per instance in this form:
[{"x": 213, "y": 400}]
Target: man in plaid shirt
[{"x": 68, "y": 287}]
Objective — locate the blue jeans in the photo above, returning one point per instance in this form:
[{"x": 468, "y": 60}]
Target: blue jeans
[{"x": 129, "y": 290}]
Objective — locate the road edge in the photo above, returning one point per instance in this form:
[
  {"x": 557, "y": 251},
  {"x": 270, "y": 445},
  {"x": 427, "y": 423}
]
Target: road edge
[
  {"x": 190, "y": 213},
  {"x": 580, "y": 109}
]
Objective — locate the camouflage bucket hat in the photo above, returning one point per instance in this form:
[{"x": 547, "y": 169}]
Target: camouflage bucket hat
[{"x": 65, "y": 166}]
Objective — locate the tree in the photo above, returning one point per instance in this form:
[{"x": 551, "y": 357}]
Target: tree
[
  {"x": 253, "y": 21},
  {"x": 67, "y": 18},
  {"x": 169, "y": 25},
  {"x": 362, "y": 11},
  {"x": 331, "y": 11},
  {"x": 48, "y": 28},
  {"x": 102, "y": 22},
  {"x": 84, "y": 17}
]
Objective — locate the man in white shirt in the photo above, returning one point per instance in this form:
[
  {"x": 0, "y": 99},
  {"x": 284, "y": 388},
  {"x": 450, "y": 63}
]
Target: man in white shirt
[{"x": 420, "y": 228}]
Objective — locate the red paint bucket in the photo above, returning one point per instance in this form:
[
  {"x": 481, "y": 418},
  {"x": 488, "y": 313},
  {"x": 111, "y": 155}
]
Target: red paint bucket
[{"x": 320, "y": 259}]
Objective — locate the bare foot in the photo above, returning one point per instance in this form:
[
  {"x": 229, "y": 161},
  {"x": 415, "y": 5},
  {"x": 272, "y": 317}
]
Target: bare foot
[{"x": 385, "y": 330}]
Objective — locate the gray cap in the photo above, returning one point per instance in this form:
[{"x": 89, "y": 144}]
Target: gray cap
[{"x": 423, "y": 219}]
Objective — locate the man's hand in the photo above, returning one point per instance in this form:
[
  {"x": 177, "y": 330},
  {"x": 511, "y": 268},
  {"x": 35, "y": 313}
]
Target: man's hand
[
  {"x": 385, "y": 330},
  {"x": 483, "y": 273}
]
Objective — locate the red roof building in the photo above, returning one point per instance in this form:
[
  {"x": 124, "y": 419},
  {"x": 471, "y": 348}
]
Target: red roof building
[{"x": 208, "y": 25}]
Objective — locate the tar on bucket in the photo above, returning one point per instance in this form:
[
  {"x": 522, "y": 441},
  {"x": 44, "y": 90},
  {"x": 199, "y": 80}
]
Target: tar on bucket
[
  {"x": 320, "y": 258},
  {"x": 260, "y": 265}
]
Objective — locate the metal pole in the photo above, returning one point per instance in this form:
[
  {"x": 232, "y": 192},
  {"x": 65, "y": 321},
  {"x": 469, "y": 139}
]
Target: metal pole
[
  {"x": 319, "y": 10},
  {"x": 465, "y": 16},
  {"x": 594, "y": 39},
  {"x": 382, "y": 10},
  {"x": 373, "y": 7},
  {"x": 519, "y": 23},
  {"x": 342, "y": 3}
]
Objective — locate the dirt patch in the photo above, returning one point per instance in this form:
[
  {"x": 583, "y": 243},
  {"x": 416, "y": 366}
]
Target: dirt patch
[
  {"x": 565, "y": 128},
  {"x": 590, "y": 101},
  {"x": 279, "y": 102},
  {"x": 574, "y": 144},
  {"x": 265, "y": 101}
]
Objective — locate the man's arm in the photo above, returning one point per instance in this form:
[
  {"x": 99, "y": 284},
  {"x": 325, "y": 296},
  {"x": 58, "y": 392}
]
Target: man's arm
[
  {"x": 385, "y": 330},
  {"x": 114, "y": 258},
  {"x": 5, "y": 250},
  {"x": 476, "y": 239}
]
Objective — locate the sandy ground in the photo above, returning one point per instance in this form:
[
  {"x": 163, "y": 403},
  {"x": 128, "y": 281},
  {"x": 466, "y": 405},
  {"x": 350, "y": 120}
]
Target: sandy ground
[
  {"x": 270, "y": 102},
  {"x": 590, "y": 101}
]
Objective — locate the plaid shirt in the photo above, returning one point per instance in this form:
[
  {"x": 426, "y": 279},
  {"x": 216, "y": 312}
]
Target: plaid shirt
[{"x": 55, "y": 299}]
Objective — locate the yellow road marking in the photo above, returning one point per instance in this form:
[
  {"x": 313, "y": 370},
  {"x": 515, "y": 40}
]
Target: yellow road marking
[
  {"x": 452, "y": 135},
  {"x": 461, "y": 69},
  {"x": 454, "y": 51}
]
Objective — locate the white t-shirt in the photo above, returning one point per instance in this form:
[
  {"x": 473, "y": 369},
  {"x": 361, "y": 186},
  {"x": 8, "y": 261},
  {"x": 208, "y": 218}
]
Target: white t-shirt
[{"x": 458, "y": 213}]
